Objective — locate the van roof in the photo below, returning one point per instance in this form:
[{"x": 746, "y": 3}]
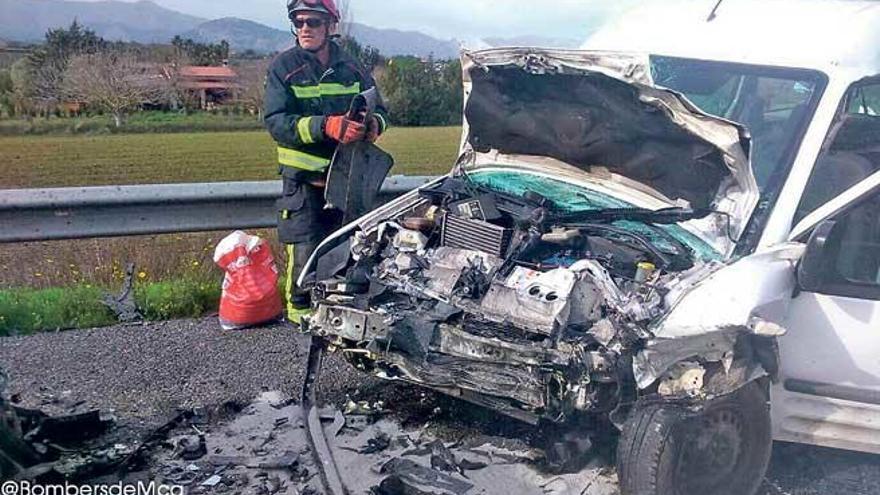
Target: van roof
[{"x": 828, "y": 35}]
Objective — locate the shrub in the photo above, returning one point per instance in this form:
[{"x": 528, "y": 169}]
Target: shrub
[
  {"x": 25, "y": 311},
  {"x": 186, "y": 298}
]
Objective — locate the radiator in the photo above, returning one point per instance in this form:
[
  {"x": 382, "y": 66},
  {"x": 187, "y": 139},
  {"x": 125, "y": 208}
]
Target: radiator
[{"x": 466, "y": 233}]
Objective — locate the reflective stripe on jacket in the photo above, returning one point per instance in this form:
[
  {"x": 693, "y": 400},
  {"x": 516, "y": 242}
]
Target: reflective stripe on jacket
[
  {"x": 289, "y": 157},
  {"x": 300, "y": 94}
]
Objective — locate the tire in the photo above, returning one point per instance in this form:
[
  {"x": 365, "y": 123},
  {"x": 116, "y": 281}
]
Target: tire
[{"x": 722, "y": 450}]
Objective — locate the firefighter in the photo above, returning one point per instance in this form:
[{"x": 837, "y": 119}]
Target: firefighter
[{"x": 309, "y": 89}]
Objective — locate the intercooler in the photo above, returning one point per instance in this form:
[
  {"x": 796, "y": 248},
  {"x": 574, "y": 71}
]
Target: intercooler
[{"x": 467, "y": 233}]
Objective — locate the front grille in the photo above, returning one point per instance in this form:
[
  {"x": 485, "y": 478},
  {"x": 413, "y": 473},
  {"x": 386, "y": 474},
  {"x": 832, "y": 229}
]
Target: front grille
[{"x": 466, "y": 233}]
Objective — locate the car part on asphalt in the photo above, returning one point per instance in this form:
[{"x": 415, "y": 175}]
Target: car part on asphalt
[
  {"x": 330, "y": 475},
  {"x": 36, "y": 446},
  {"x": 123, "y": 305}
]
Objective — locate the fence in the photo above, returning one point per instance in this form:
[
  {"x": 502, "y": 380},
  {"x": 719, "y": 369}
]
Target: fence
[{"x": 108, "y": 211}]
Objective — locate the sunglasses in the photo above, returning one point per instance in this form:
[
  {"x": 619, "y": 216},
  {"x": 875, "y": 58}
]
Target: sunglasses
[{"x": 311, "y": 22}]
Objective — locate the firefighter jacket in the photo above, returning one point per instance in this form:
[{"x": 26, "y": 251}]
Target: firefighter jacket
[{"x": 299, "y": 94}]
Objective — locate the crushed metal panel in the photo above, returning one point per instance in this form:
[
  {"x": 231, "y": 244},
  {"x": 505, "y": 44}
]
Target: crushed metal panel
[
  {"x": 350, "y": 323},
  {"x": 751, "y": 295},
  {"x": 448, "y": 264},
  {"x": 524, "y": 384},
  {"x": 757, "y": 287},
  {"x": 456, "y": 342},
  {"x": 659, "y": 355}
]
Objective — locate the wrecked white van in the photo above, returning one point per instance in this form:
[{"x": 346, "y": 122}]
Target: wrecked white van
[{"x": 628, "y": 234}]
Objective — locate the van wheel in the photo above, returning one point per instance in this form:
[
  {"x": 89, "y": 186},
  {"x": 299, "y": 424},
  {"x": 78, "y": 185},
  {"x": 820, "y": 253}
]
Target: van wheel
[{"x": 723, "y": 450}]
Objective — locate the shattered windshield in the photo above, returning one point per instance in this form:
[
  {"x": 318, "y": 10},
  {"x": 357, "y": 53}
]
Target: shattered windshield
[
  {"x": 570, "y": 198},
  {"x": 776, "y": 105}
]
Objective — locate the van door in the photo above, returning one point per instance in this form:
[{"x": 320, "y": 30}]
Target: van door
[{"x": 829, "y": 388}]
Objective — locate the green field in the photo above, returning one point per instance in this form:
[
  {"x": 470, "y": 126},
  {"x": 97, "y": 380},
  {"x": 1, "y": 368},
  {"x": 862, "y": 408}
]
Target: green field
[{"x": 61, "y": 161}]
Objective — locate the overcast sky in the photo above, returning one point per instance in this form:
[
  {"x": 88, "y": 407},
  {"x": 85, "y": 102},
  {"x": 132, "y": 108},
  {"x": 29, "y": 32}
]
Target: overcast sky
[{"x": 460, "y": 19}]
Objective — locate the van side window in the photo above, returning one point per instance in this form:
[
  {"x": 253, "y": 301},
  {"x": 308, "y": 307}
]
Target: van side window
[
  {"x": 851, "y": 151},
  {"x": 855, "y": 265}
]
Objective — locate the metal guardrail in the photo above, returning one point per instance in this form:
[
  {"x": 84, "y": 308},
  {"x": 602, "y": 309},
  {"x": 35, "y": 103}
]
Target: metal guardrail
[{"x": 109, "y": 211}]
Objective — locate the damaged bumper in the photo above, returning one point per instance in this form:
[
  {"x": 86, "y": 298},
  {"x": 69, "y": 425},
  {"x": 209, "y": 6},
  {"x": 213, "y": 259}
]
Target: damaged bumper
[{"x": 496, "y": 303}]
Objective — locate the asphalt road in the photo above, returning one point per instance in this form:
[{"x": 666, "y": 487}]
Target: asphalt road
[{"x": 142, "y": 373}]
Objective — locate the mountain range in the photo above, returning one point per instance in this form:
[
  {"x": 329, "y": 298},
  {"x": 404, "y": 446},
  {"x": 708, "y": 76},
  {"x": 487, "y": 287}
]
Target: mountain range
[
  {"x": 144, "y": 21},
  {"x": 147, "y": 22},
  {"x": 241, "y": 34},
  {"x": 248, "y": 35}
]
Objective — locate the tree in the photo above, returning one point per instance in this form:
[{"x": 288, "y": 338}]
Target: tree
[
  {"x": 48, "y": 63},
  {"x": 45, "y": 78},
  {"x": 5, "y": 81},
  {"x": 6, "y": 92},
  {"x": 65, "y": 43},
  {"x": 202, "y": 53},
  {"x": 422, "y": 92},
  {"x": 21, "y": 76},
  {"x": 252, "y": 77},
  {"x": 368, "y": 56},
  {"x": 112, "y": 81}
]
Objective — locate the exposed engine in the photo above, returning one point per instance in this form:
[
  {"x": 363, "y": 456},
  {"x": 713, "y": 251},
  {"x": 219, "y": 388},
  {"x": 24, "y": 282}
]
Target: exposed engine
[{"x": 498, "y": 299}]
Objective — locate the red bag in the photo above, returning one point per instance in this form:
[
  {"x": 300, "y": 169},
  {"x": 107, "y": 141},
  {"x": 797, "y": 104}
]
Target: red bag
[{"x": 250, "y": 288}]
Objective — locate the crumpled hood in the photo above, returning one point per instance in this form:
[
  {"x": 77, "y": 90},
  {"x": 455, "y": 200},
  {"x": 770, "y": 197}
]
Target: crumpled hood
[{"x": 599, "y": 113}]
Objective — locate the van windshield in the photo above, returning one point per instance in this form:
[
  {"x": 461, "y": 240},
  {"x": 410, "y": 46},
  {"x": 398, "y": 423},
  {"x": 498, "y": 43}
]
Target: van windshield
[{"x": 775, "y": 104}]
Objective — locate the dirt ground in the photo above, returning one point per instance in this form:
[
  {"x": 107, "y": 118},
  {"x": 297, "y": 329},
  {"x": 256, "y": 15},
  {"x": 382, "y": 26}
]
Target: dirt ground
[{"x": 143, "y": 373}]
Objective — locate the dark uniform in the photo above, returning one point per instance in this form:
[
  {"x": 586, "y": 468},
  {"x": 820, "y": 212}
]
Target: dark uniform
[{"x": 299, "y": 94}]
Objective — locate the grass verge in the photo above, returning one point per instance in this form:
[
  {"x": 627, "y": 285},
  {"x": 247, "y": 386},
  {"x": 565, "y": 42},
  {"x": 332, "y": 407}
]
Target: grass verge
[
  {"x": 178, "y": 299},
  {"x": 26, "y": 311}
]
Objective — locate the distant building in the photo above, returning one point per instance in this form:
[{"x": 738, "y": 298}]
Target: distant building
[
  {"x": 212, "y": 85},
  {"x": 205, "y": 86}
]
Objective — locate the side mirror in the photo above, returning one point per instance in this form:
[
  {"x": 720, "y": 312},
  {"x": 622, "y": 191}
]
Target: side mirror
[{"x": 813, "y": 269}]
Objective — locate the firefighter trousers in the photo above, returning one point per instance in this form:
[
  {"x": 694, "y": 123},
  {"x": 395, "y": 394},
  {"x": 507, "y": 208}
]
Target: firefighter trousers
[{"x": 303, "y": 222}]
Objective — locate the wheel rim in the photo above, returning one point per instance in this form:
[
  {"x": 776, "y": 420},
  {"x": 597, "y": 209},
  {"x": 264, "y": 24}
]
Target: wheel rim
[{"x": 711, "y": 452}]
